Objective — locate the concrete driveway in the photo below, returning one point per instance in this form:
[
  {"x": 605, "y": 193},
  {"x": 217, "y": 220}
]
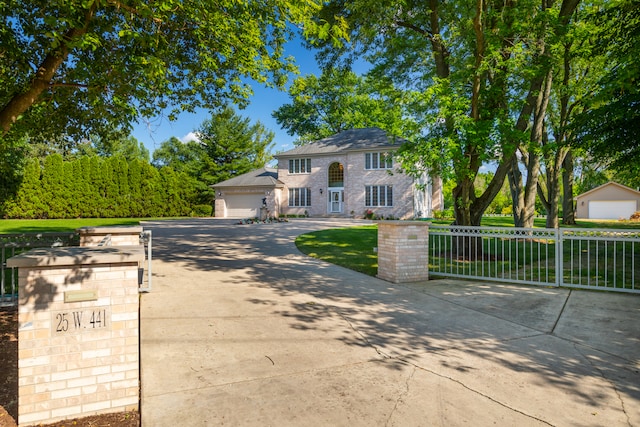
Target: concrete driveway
[{"x": 241, "y": 329}]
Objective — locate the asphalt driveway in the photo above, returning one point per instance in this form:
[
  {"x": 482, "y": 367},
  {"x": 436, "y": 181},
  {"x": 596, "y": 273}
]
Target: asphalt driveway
[{"x": 241, "y": 329}]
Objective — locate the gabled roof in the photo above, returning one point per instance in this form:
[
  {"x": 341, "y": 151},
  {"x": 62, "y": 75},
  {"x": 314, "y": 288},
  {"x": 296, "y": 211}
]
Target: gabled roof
[
  {"x": 349, "y": 140},
  {"x": 263, "y": 177},
  {"x": 610, "y": 183}
]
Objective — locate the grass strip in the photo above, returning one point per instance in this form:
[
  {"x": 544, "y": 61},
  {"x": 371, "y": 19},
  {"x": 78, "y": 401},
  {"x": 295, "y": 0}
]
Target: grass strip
[
  {"x": 350, "y": 247},
  {"x": 8, "y": 226}
]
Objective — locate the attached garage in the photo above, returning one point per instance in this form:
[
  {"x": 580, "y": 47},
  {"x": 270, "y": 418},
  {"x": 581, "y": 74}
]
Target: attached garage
[
  {"x": 244, "y": 195},
  {"x": 609, "y": 201},
  {"x": 243, "y": 205}
]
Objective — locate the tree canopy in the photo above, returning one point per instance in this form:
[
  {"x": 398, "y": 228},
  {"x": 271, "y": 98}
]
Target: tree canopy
[
  {"x": 609, "y": 127},
  {"x": 232, "y": 146},
  {"x": 228, "y": 144},
  {"x": 76, "y": 67},
  {"x": 476, "y": 77},
  {"x": 338, "y": 100}
]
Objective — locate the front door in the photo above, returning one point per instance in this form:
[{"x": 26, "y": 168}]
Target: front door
[{"x": 335, "y": 200}]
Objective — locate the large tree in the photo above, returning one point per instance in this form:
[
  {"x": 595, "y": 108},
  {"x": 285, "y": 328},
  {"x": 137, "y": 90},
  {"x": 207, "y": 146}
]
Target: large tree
[
  {"x": 127, "y": 147},
  {"x": 609, "y": 126},
  {"x": 232, "y": 146},
  {"x": 180, "y": 156},
  {"x": 185, "y": 157},
  {"x": 477, "y": 77},
  {"x": 76, "y": 67}
]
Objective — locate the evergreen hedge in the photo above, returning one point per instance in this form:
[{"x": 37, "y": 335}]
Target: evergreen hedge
[{"x": 100, "y": 187}]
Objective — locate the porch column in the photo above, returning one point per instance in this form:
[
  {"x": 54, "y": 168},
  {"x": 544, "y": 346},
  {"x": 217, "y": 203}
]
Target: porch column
[{"x": 403, "y": 251}]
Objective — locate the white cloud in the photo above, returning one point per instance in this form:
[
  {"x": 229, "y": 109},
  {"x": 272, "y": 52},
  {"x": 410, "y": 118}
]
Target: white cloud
[{"x": 191, "y": 136}]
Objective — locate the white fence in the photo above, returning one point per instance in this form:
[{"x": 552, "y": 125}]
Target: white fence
[
  {"x": 14, "y": 244},
  {"x": 578, "y": 258}
]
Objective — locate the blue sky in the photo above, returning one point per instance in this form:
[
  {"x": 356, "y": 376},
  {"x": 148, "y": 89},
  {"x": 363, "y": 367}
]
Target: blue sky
[{"x": 264, "y": 101}]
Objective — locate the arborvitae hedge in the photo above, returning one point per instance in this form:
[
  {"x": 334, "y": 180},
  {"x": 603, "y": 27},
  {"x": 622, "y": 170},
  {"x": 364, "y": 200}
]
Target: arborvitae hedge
[{"x": 99, "y": 187}]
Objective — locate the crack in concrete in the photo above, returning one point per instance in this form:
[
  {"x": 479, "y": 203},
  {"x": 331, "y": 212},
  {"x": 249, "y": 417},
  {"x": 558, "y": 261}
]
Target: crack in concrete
[
  {"x": 461, "y": 383},
  {"x": 255, "y": 380},
  {"x": 357, "y": 332},
  {"x": 416, "y": 367},
  {"x": 401, "y": 395},
  {"x": 604, "y": 377},
  {"x": 479, "y": 393}
]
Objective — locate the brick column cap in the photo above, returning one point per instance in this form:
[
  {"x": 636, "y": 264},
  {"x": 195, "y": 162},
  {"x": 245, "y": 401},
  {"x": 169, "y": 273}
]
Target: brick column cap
[
  {"x": 76, "y": 255},
  {"x": 127, "y": 229},
  {"x": 401, "y": 222}
]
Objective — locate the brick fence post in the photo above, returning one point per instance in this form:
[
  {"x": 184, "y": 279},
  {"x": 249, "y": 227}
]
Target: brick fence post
[
  {"x": 78, "y": 345},
  {"x": 120, "y": 236},
  {"x": 403, "y": 251}
]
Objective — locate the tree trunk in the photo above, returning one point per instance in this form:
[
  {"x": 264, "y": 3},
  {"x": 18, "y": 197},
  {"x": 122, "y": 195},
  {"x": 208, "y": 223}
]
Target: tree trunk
[
  {"x": 554, "y": 177},
  {"x": 20, "y": 102},
  {"x": 517, "y": 191},
  {"x": 536, "y": 104},
  {"x": 568, "y": 209},
  {"x": 531, "y": 191},
  {"x": 436, "y": 193},
  {"x": 553, "y": 192}
]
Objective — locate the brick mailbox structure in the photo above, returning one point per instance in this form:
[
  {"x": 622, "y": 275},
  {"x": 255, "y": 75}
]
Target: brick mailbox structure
[
  {"x": 403, "y": 251},
  {"x": 78, "y": 343}
]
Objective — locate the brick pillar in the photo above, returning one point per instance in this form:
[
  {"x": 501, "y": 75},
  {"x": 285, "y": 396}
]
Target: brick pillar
[
  {"x": 120, "y": 236},
  {"x": 78, "y": 346},
  {"x": 403, "y": 251}
]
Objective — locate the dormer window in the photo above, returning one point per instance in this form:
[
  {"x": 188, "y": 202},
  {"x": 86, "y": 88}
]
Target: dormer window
[{"x": 378, "y": 161}]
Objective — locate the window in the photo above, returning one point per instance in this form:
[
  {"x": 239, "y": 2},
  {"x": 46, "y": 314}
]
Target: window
[
  {"x": 378, "y": 161},
  {"x": 299, "y": 166},
  {"x": 336, "y": 175},
  {"x": 378, "y": 195},
  {"x": 299, "y": 197}
]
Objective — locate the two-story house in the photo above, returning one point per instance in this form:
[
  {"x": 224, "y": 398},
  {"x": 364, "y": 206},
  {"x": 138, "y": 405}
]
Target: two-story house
[{"x": 351, "y": 173}]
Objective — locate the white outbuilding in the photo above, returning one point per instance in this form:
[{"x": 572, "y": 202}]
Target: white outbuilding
[{"x": 608, "y": 201}]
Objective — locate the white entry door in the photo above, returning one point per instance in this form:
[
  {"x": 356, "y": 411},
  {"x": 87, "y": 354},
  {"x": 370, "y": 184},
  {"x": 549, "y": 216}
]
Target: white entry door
[{"x": 335, "y": 200}]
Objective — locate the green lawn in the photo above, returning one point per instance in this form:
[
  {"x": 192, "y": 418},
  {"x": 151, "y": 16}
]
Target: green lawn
[
  {"x": 349, "y": 247},
  {"x": 8, "y": 226}
]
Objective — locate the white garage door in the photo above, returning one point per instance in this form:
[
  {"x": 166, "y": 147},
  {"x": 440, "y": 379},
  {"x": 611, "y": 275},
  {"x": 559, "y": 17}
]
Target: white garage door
[
  {"x": 243, "y": 205},
  {"x": 612, "y": 209}
]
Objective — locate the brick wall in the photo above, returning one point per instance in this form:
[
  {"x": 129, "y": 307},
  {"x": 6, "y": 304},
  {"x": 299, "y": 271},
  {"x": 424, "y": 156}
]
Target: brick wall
[
  {"x": 403, "y": 251},
  {"x": 355, "y": 179},
  {"x": 78, "y": 332}
]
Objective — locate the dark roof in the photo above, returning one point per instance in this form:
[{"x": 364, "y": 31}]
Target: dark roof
[
  {"x": 349, "y": 140},
  {"x": 263, "y": 177}
]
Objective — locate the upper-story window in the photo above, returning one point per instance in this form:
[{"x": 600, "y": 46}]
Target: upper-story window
[
  {"x": 378, "y": 161},
  {"x": 299, "y": 166}
]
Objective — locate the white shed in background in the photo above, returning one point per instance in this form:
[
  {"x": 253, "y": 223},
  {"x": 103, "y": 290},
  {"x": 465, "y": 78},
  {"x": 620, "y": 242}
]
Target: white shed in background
[{"x": 608, "y": 201}]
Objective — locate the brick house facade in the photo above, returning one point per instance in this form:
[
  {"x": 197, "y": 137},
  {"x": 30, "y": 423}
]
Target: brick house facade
[{"x": 348, "y": 174}]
